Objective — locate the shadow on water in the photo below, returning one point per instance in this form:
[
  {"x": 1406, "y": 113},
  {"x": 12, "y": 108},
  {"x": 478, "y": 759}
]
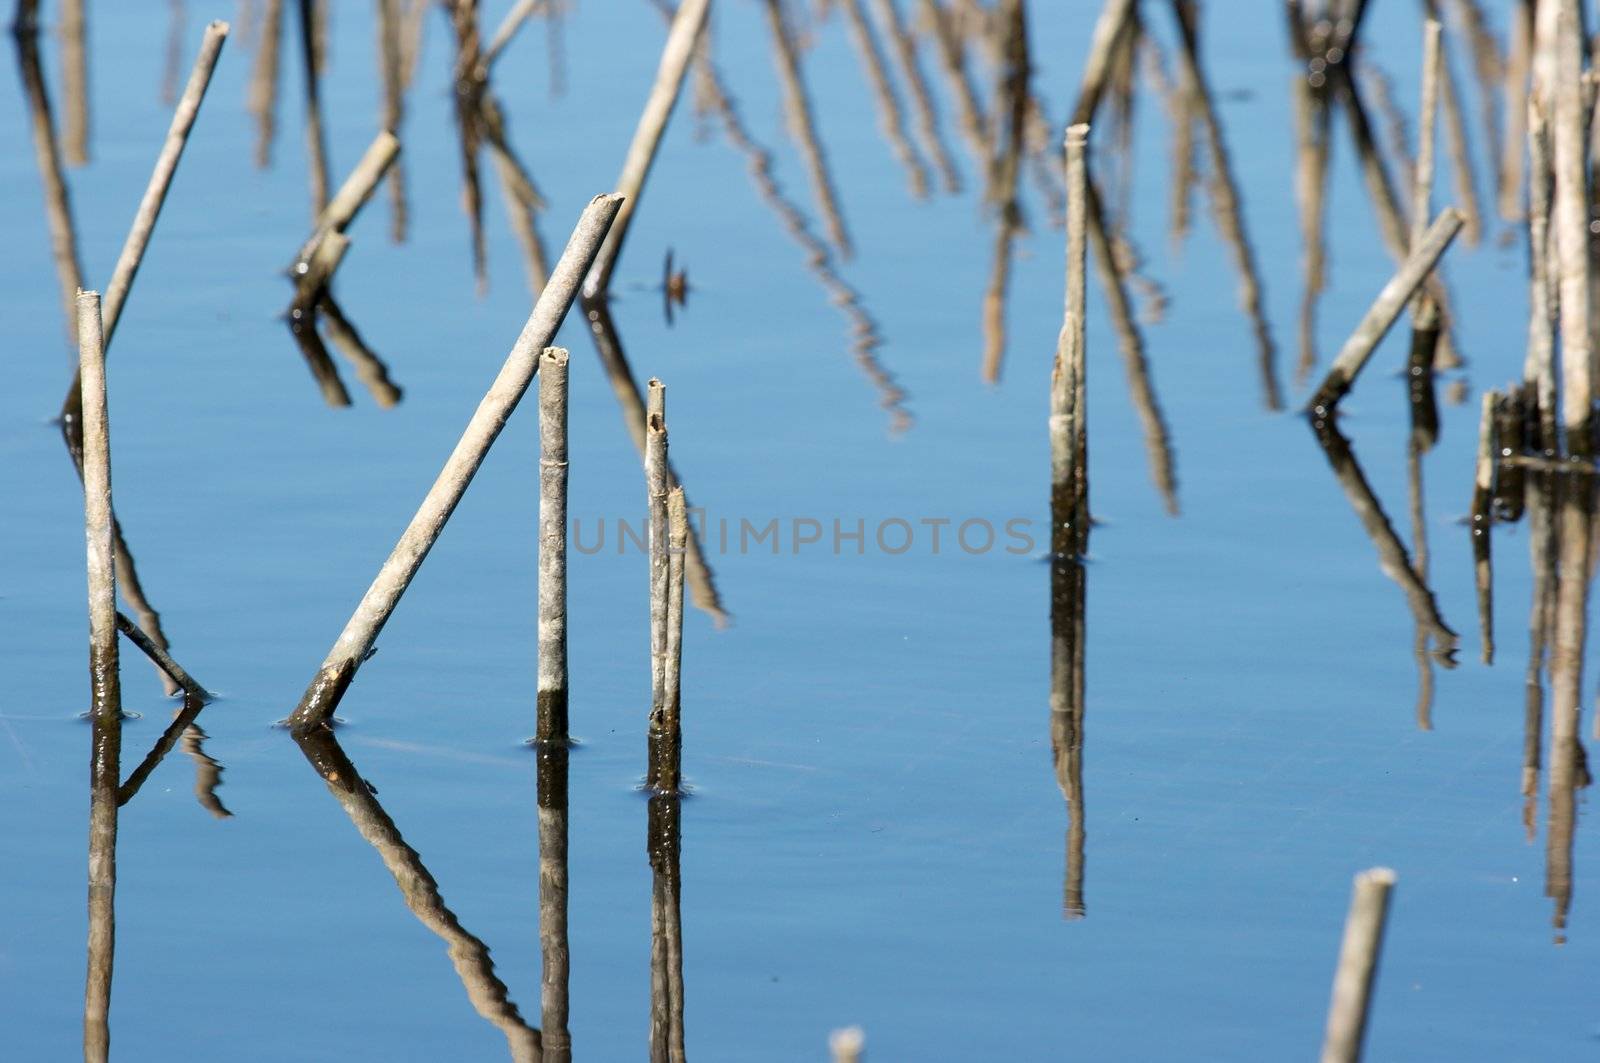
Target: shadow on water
[{"x": 420, "y": 891}]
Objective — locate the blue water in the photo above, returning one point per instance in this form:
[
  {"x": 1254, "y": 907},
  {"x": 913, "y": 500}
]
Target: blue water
[{"x": 876, "y": 835}]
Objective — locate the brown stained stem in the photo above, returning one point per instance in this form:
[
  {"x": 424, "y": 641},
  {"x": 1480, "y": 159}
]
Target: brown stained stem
[
  {"x": 522, "y": 197},
  {"x": 1353, "y": 356},
  {"x": 420, "y": 891},
  {"x": 162, "y": 659},
  {"x": 1357, "y": 971},
  {"x": 890, "y": 117},
  {"x": 904, "y": 49},
  {"x": 1226, "y": 204},
  {"x": 1567, "y": 773},
  {"x": 57, "y": 199},
  {"x": 105, "y": 710},
  {"x": 554, "y": 944},
  {"x": 1157, "y": 438},
  {"x": 356, "y": 640},
  {"x": 155, "y": 194},
  {"x": 551, "y": 727},
  {"x": 664, "y": 842},
  {"x": 1542, "y": 556},
  {"x": 1311, "y": 188},
  {"x": 676, "y": 55},
  {"x": 802, "y": 127},
  {"x": 263, "y": 93}
]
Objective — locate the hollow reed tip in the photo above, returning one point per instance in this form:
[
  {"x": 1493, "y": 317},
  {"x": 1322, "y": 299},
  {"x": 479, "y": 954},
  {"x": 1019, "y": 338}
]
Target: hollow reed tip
[
  {"x": 558, "y": 355},
  {"x": 1077, "y": 134},
  {"x": 218, "y": 27},
  {"x": 607, "y": 197},
  {"x": 87, "y": 293},
  {"x": 1382, "y": 876},
  {"x": 654, "y": 383}
]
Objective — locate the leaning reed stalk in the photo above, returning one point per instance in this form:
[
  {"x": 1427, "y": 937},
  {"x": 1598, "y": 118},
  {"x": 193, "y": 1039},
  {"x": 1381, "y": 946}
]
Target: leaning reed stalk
[
  {"x": 105, "y": 712},
  {"x": 1358, "y": 966},
  {"x": 163, "y": 661},
  {"x": 1065, "y": 411},
  {"x": 552, "y": 697},
  {"x": 311, "y": 276},
  {"x": 356, "y": 640},
  {"x": 675, "y": 57},
  {"x": 657, "y": 480},
  {"x": 1424, "y": 311},
  {"x": 1383, "y": 312},
  {"x": 155, "y": 194},
  {"x": 1561, "y": 40},
  {"x": 351, "y": 197}
]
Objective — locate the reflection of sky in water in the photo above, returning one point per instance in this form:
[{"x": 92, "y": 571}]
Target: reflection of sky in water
[{"x": 877, "y": 835}]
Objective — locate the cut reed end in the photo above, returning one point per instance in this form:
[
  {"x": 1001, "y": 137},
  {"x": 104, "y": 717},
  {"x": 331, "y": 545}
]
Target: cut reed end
[
  {"x": 1077, "y": 134},
  {"x": 556, "y": 356},
  {"x": 217, "y": 28}
]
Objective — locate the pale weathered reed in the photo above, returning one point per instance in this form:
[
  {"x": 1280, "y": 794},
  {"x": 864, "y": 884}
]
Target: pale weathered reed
[
  {"x": 551, "y": 727},
  {"x": 1539, "y": 369},
  {"x": 155, "y": 194},
  {"x": 1559, "y": 81},
  {"x": 1424, "y": 311},
  {"x": 1385, "y": 309},
  {"x": 105, "y": 710},
  {"x": 356, "y": 640},
  {"x": 1358, "y": 966},
  {"x": 675, "y": 57},
  {"x": 1068, "y": 489},
  {"x": 351, "y": 197}
]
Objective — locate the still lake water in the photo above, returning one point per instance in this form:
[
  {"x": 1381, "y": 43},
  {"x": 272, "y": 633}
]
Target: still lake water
[{"x": 876, "y": 835}]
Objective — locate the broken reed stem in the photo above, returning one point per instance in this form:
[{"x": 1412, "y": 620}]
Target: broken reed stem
[
  {"x": 1482, "y": 521},
  {"x": 105, "y": 712},
  {"x": 1358, "y": 966},
  {"x": 1068, "y": 468},
  {"x": 675, "y": 57},
  {"x": 1424, "y": 311},
  {"x": 356, "y": 640},
  {"x": 155, "y": 194},
  {"x": 351, "y": 197},
  {"x": 661, "y": 771},
  {"x": 1116, "y": 18},
  {"x": 1385, "y": 309},
  {"x": 161, "y": 659},
  {"x": 1561, "y": 39},
  {"x": 552, "y": 697}
]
